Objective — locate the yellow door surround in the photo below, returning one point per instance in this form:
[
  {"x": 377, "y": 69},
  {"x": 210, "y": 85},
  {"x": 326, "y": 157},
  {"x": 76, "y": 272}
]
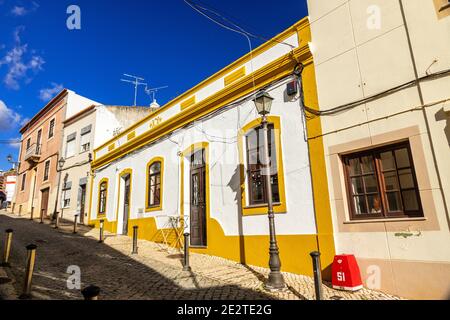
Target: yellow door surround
[
  {"x": 124, "y": 173},
  {"x": 186, "y": 153}
]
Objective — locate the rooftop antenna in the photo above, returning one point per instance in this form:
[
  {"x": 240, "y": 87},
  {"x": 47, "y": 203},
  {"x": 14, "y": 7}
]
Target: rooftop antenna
[
  {"x": 152, "y": 92},
  {"x": 137, "y": 82}
]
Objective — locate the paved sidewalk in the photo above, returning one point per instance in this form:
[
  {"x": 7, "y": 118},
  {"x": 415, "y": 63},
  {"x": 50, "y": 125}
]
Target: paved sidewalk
[{"x": 154, "y": 273}]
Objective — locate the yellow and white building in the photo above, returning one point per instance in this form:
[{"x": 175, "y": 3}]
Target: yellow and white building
[{"x": 154, "y": 170}]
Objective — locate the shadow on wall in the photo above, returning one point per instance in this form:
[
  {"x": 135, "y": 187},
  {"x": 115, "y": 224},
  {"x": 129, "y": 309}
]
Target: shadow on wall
[
  {"x": 441, "y": 115},
  {"x": 235, "y": 185},
  {"x": 119, "y": 276}
]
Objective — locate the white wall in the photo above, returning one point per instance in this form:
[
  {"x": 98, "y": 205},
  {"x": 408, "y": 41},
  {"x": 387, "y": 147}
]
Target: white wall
[
  {"x": 353, "y": 62},
  {"x": 77, "y": 103},
  {"x": 10, "y": 187}
]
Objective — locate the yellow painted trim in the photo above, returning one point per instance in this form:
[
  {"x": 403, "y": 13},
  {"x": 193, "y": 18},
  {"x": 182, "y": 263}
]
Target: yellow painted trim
[
  {"x": 149, "y": 164},
  {"x": 187, "y": 152},
  {"x": 106, "y": 197},
  {"x": 322, "y": 208},
  {"x": 262, "y": 209},
  {"x": 304, "y": 22},
  {"x": 124, "y": 172},
  {"x": 131, "y": 135},
  {"x": 277, "y": 69},
  {"x": 234, "y": 76},
  {"x": 111, "y": 147},
  {"x": 188, "y": 103}
]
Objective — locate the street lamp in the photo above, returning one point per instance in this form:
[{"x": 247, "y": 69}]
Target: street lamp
[
  {"x": 263, "y": 102},
  {"x": 61, "y": 163},
  {"x": 11, "y": 160}
]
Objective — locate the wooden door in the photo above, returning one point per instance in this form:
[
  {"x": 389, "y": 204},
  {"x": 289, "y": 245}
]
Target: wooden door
[
  {"x": 126, "y": 204},
  {"x": 82, "y": 202},
  {"x": 44, "y": 202},
  {"x": 198, "y": 200}
]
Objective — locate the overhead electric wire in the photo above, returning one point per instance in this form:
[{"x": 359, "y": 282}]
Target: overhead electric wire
[
  {"x": 199, "y": 9},
  {"x": 354, "y": 104}
]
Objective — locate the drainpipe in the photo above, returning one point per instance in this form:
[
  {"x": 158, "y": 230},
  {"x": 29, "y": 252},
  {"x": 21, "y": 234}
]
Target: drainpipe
[{"x": 425, "y": 116}]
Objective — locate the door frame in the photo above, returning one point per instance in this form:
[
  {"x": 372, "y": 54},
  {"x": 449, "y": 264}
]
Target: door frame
[
  {"x": 82, "y": 206},
  {"x": 120, "y": 198},
  {"x": 185, "y": 185},
  {"x": 48, "y": 201}
]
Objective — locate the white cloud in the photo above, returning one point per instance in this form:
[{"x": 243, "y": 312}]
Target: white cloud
[
  {"x": 18, "y": 66},
  {"x": 20, "y": 11},
  {"x": 9, "y": 119},
  {"x": 47, "y": 93}
]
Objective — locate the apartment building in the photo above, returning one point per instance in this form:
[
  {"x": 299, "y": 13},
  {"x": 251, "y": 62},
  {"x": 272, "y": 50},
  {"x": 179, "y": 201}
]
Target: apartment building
[{"x": 83, "y": 132}]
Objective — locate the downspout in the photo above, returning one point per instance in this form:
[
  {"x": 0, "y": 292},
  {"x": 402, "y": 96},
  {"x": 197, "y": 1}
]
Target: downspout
[{"x": 419, "y": 89}]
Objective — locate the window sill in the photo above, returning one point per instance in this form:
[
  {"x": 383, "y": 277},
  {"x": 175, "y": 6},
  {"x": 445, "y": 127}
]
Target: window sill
[
  {"x": 385, "y": 220},
  {"x": 259, "y": 210},
  {"x": 152, "y": 209}
]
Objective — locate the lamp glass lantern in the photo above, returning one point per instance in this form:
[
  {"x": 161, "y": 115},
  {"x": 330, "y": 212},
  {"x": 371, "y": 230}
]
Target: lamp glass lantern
[
  {"x": 9, "y": 158},
  {"x": 263, "y": 102},
  {"x": 61, "y": 162}
]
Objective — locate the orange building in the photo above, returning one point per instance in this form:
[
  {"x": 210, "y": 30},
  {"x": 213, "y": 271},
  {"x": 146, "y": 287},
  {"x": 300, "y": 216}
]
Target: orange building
[{"x": 42, "y": 138}]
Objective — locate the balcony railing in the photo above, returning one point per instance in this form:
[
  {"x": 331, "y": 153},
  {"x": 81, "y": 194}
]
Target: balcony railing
[{"x": 33, "y": 153}]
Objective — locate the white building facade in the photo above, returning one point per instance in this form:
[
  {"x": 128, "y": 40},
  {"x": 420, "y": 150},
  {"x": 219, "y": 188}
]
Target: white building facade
[{"x": 196, "y": 160}]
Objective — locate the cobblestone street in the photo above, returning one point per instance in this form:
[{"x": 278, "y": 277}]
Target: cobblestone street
[{"x": 155, "y": 273}]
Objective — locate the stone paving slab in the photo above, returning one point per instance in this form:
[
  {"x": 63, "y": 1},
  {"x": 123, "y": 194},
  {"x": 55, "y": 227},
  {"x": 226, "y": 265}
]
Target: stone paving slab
[{"x": 155, "y": 273}]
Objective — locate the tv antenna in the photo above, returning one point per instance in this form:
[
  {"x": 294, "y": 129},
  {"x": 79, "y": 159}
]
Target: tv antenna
[
  {"x": 152, "y": 91},
  {"x": 137, "y": 82}
]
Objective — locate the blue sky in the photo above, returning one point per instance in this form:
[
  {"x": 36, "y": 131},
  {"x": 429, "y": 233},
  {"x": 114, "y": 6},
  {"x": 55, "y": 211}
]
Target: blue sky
[{"x": 166, "y": 42}]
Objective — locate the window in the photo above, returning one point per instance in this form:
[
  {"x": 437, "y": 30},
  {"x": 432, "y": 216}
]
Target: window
[
  {"x": 154, "y": 184},
  {"x": 39, "y": 141},
  {"x": 442, "y": 8},
  {"x": 28, "y": 143},
  {"x": 70, "y": 145},
  {"x": 382, "y": 183},
  {"x": 66, "y": 194},
  {"x": 46, "y": 170},
  {"x": 255, "y": 166},
  {"x": 252, "y": 167},
  {"x": 85, "y": 140},
  {"x": 102, "y": 195},
  {"x": 24, "y": 178},
  {"x": 51, "y": 129}
]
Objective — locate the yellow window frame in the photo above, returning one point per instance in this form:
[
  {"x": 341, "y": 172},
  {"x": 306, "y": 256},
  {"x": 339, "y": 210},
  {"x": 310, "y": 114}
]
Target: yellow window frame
[
  {"x": 249, "y": 210},
  {"x": 104, "y": 180},
  {"x": 147, "y": 188}
]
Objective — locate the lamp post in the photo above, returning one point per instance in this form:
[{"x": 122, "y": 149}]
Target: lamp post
[
  {"x": 11, "y": 160},
  {"x": 263, "y": 102},
  {"x": 61, "y": 162}
]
